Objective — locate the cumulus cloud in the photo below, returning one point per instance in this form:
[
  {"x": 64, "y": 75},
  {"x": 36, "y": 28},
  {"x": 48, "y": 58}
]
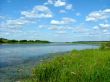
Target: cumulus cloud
[
  {"x": 20, "y": 21},
  {"x": 98, "y": 15},
  {"x": 50, "y": 1},
  {"x": 39, "y": 11},
  {"x": 104, "y": 26},
  {"x": 80, "y": 29},
  {"x": 54, "y": 27},
  {"x": 56, "y": 22},
  {"x": 14, "y": 23},
  {"x": 101, "y": 28},
  {"x": 68, "y": 6},
  {"x": 56, "y": 3},
  {"x": 106, "y": 11},
  {"x": 64, "y": 20},
  {"x": 59, "y": 27},
  {"x": 27, "y": 17},
  {"x": 59, "y": 3}
]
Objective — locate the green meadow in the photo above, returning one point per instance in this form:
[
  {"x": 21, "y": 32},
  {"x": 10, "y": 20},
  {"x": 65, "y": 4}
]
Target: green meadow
[{"x": 90, "y": 65}]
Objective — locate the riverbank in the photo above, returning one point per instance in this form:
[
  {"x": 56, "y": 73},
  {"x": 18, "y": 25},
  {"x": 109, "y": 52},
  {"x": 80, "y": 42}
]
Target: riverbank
[{"x": 90, "y": 65}]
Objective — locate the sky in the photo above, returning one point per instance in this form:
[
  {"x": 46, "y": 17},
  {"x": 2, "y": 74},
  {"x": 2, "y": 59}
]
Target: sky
[{"x": 55, "y": 20}]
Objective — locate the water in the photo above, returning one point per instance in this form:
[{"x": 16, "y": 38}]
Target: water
[{"x": 14, "y": 56}]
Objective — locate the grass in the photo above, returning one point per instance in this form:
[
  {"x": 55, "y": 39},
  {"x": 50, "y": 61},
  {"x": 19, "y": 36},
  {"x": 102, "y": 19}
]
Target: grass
[{"x": 91, "y": 65}]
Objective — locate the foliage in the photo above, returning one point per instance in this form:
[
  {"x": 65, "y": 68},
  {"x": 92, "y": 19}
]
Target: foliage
[
  {"x": 2, "y": 40},
  {"x": 91, "y": 65},
  {"x": 105, "y": 46}
]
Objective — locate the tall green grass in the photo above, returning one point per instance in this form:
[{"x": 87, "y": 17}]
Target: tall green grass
[{"x": 91, "y": 65}]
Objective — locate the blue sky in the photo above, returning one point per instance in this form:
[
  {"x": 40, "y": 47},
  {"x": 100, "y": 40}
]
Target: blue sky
[{"x": 55, "y": 20}]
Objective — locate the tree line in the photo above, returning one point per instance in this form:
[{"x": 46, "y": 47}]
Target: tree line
[{"x": 3, "y": 40}]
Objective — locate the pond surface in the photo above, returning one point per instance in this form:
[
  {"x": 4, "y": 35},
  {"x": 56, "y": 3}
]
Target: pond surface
[{"x": 13, "y": 56}]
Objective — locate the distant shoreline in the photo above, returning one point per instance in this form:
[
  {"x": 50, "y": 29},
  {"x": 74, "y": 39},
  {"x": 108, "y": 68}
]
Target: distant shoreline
[{"x": 7, "y": 41}]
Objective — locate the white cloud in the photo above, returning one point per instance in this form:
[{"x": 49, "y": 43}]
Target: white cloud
[
  {"x": 56, "y": 3},
  {"x": 78, "y": 14},
  {"x": 80, "y": 29},
  {"x": 61, "y": 32},
  {"x": 69, "y": 20},
  {"x": 106, "y": 11},
  {"x": 59, "y": 3},
  {"x": 96, "y": 27},
  {"x": 64, "y": 20},
  {"x": 2, "y": 17},
  {"x": 101, "y": 28},
  {"x": 59, "y": 27},
  {"x": 50, "y": 1},
  {"x": 4, "y": 33},
  {"x": 62, "y": 11},
  {"x": 15, "y": 23},
  {"x": 54, "y": 27},
  {"x": 39, "y": 11},
  {"x": 104, "y": 26},
  {"x": 68, "y": 6},
  {"x": 56, "y": 22},
  {"x": 42, "y": 26},
  {"x": 27, "y": 17},
  {"x": 98, "y": 15},
  {"x": 105, "y": 31}
]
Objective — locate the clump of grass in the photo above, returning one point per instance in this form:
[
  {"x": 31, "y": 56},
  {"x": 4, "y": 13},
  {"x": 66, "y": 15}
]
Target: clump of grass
[{"x": 91, "y": 65}]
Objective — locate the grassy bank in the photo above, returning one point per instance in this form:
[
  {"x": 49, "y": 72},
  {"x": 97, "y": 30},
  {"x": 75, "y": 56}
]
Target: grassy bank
[{"x": 91, "y": 65}]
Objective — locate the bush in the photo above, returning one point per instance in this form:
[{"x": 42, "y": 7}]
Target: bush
[{"x": 105, "y": 46}]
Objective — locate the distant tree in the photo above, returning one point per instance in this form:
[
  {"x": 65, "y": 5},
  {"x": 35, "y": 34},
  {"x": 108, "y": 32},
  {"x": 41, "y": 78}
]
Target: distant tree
[
  {"x": 37, "y": 40},
  {"x": 3, "y": 39},
  {"x": 12, "y": 41},
  {"x": 23, "y": 41},
  {"x": 31, "y": 41}
]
